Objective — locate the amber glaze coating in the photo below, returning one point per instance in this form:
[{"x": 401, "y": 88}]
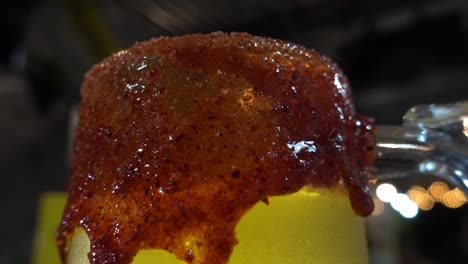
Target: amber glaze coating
[{"x": 179, "y": 137}]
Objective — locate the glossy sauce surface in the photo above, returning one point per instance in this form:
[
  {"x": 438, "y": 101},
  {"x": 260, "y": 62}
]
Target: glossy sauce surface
[{"x": 179, "y": 137}]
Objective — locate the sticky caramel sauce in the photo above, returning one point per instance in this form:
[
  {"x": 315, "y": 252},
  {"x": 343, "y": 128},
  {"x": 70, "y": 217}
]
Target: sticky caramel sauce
[{"x": 179, "y": 137}]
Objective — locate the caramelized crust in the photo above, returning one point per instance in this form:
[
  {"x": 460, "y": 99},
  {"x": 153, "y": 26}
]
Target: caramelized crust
[{"x": 180, "y": 137}]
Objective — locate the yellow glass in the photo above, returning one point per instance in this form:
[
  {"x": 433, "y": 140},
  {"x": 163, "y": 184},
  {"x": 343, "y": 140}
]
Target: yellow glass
[
  {"x": 306, "y": 227},
  {"x": 48, "y": 219}
]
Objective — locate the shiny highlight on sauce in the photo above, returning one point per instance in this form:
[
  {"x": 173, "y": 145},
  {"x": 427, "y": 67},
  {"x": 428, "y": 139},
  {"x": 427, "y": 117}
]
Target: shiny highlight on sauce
[{"x": 179, "y": 137}]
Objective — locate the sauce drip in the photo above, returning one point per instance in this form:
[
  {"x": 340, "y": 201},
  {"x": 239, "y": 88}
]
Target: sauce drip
[{"x": 179, "y": 137}]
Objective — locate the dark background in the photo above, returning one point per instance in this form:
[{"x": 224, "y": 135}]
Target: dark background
[{"x": 396, "y": 54}]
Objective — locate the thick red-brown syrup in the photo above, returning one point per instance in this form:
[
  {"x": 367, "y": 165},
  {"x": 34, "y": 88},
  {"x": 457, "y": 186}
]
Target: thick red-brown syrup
[{"x": 179, "y": 137}]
